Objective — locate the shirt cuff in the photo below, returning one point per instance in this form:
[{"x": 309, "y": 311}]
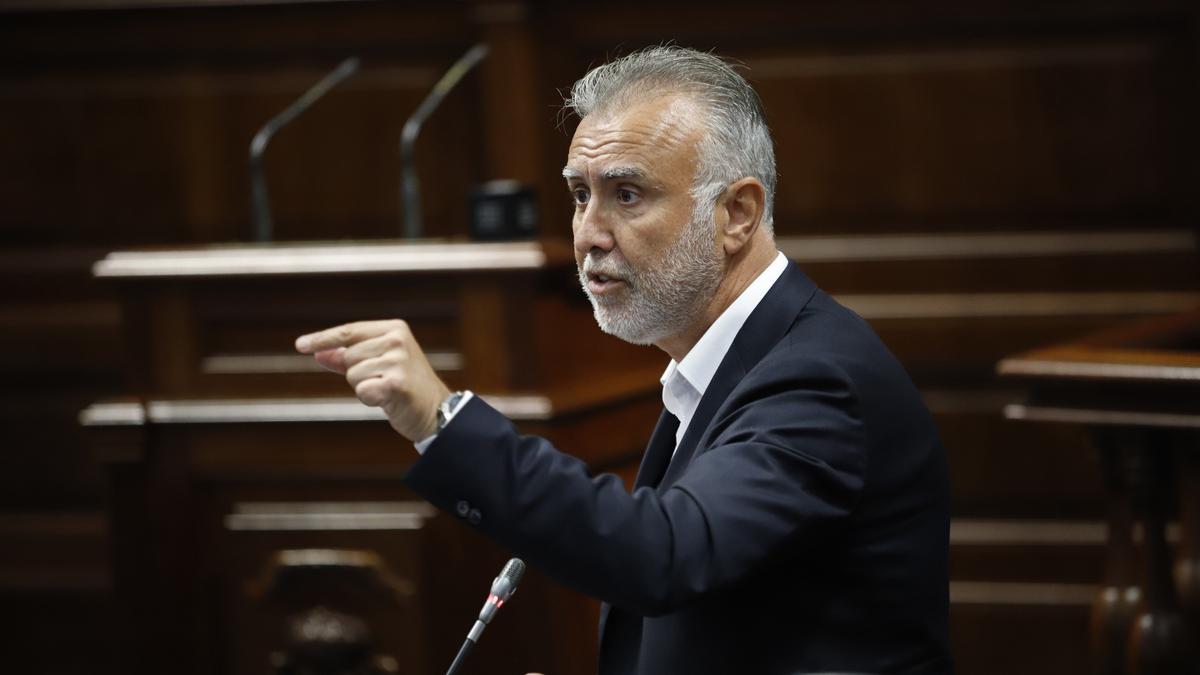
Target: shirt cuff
[{"x": 423, "y": 444}]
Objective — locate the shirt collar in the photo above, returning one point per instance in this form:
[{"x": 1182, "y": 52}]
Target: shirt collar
[{"x": 701, "y": 363}]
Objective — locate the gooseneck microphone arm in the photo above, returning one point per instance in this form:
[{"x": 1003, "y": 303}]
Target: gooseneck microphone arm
[
  {"x": 410, "y": 187},
  {"x": 503, "y": 588},
  {"x": 260, "y": 202}
]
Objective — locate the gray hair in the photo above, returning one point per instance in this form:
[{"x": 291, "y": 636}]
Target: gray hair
[{"x": 737, "y": 142}]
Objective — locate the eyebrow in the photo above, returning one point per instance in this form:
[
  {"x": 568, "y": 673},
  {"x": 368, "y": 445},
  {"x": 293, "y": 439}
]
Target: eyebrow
[
  {"x": 622, "y": 172},
  {"x": 615, "y": 173}
]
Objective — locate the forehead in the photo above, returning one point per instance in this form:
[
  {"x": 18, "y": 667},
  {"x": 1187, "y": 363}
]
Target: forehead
[{"x": 656, "y": 137}]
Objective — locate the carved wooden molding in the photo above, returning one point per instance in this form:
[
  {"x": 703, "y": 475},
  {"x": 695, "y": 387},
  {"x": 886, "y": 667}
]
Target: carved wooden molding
[
  {"x": 985, "y": 245},
  {"x": 273, "y": 364},
  {"x": 225, "y": 411},
  {"x": 1101, "y": 417},
  {"x": 1182, "y": 372},
  {"x": 328, "y": 516},
  {"x": 340, "y": 259},
  {"x": 996, "y": 532},
  {"x": 1022, "y": 593},
  {"x": 999, "y": 305}
]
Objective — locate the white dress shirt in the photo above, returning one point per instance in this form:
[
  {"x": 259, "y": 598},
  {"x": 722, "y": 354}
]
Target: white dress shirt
[{"x": 684, "y": 382}]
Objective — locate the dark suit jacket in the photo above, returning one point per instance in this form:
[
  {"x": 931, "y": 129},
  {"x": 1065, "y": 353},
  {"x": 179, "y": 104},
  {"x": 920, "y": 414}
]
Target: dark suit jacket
[{"x": 802, "y": 525}]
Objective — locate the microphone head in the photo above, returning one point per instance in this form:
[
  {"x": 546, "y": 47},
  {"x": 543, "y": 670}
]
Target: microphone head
[
  {"x": 513, "y": 571},
  {"x": 506, "y": 584}
]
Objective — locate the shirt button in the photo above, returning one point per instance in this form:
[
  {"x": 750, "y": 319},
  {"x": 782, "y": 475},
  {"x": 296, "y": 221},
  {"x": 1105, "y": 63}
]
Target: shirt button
[
  {"x": 462, "y": 508},
  {"x": 474, "y": 517}
]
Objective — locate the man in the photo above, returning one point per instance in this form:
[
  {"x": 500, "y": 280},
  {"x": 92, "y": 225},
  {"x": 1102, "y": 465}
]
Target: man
[{"x": 791, "y": 512}]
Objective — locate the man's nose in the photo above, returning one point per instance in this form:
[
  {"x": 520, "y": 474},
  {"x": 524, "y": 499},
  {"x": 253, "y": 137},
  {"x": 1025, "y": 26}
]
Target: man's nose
[{"x": 593, "y": 230}]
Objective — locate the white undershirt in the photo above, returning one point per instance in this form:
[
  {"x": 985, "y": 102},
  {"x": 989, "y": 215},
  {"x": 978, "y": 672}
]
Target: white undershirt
[{"x": 684, "y": 382}]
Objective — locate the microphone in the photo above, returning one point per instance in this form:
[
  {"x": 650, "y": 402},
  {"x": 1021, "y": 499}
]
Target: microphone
[
  {"x": 260, "y": 202},
  {"x": 503, "y": 588},
  {"x": 410, "y": 187}
]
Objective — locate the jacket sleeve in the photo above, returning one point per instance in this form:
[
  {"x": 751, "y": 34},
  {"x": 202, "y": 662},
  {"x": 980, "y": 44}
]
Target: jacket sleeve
[{"x": 786, "y": 456}]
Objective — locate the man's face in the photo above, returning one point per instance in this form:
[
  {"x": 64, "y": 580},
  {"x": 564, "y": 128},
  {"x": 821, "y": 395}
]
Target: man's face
[{"x": 647, "y": 257}]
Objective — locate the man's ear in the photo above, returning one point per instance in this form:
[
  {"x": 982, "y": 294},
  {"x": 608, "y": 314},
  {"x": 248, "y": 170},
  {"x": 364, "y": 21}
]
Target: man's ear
[{"x": 743, "y": 204}]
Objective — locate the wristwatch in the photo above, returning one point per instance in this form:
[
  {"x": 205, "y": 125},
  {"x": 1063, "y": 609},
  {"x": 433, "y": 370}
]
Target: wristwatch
[{"x": 448, "y": 407}]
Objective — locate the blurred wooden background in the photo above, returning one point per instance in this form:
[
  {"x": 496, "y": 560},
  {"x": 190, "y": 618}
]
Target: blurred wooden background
[{"x": 974, "y": 178}]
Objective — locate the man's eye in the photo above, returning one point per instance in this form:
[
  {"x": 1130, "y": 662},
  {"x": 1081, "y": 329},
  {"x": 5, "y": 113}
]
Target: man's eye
[
  {"x": 580, "y": 195},
  {"x": 626, "y": 196}
]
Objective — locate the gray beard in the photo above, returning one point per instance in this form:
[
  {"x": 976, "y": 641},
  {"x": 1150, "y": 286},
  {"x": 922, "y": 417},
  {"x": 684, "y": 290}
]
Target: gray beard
[{"x": 660, "y": 301}]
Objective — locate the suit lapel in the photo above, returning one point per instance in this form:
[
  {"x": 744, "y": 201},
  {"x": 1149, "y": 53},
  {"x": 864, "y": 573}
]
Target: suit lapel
[
  {"x": 724, "y": 380},
  {"x": 658, "y": 451},
  {"x": 765, "y": 327}
]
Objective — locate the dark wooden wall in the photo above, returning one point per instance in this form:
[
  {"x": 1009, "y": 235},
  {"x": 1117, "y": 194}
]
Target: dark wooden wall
[{"x": 974, "y": 178}]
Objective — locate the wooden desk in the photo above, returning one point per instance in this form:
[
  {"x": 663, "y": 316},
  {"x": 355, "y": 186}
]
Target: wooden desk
[
  {"x": 237, "y": 455},
  {"x": 1137, "y": 390}
]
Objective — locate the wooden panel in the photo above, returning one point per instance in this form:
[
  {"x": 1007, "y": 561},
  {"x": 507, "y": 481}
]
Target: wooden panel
[
  {"x": 260, "y": 618},
  {"x": 998, "y": 469},
  {"x": 45, "y": 462},
  {"x": 266, "y": 320},
  {"x": 1133, "y": 259},
  {"x": 1046, "y": 640},
  {"x": 148, "y": 142},
  {"x": 952, "y": 117},
  {"x": 56, "y": 590},
  {"x": 54, "y": 321},
  {"x": 59, "y": 631},
  {"x": 60, "y": 348},
  {"x": 961, "y": 136},
  {"x": 959, "y": 339},
  {"x": 59, "y": 552}
]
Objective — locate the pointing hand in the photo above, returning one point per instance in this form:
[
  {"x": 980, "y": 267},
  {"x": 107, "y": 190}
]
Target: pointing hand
[{"x": 387, "y": 369}]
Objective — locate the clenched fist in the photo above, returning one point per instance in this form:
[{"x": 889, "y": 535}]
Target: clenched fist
[{"x": 386, "y": 367}]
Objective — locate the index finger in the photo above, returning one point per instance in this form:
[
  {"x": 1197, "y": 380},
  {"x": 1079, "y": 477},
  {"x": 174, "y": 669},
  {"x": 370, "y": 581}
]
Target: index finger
[{"x": 345, "y": 335}]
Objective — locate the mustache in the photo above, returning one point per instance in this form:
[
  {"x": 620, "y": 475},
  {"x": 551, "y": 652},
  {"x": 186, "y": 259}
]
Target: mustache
[{"x": 609, "y": 265}]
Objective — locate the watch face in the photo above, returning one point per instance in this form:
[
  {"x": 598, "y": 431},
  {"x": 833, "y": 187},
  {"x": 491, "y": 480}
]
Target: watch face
[{"x": 447, "y": 408}]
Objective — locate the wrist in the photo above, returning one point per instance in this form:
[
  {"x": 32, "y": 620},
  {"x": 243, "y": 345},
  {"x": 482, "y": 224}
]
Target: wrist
[
  {"x": 448, "y": 408},
  {"x": 426, "y": 425}
]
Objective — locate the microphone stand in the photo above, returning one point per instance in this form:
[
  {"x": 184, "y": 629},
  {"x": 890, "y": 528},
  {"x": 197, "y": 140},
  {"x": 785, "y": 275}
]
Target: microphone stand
[
  {"x": 462, "y": 656},
  {"x": 260, "y": 202},
  {"x": 410, "y": 189}
]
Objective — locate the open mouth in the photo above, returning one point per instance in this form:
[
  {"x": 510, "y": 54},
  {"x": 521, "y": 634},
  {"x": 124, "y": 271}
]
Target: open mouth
[{"x": 600, "y": 284}]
